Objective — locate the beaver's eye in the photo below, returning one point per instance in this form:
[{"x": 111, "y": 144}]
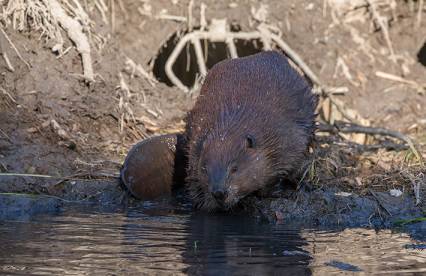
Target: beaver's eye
[
  {"x": 234, "y": 169},
  {"x": 250, "y": 141}
]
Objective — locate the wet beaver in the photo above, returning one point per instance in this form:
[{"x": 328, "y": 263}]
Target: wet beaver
[
  {"x": 250, "y": 127},
  {"x": 153, "y": 165}
]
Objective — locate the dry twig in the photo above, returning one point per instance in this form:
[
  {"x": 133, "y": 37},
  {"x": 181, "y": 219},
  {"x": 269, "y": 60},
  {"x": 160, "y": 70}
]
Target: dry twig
[
  {"x": 419, "y": 14},
  {"x": 384, "y": 28},
  {"x": 6, "y": 136},
  {"x": 416, "y": 185},
  {"x": 419, "y": 87},
  {"x": 190, "y": 18},
  {"x": 340, "y": 127},
  {"x": 379, "y": 202},
  {"x": 8, "y": 95},
  {"x": 5, "y": 57},
  {"x": 139, "y": 70},
  {"x": 14, "y": 48}
]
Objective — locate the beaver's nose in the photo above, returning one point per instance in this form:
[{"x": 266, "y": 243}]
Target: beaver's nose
[
  {"x": 217, "y": 177},
  {"x": 219, "y": 194}
]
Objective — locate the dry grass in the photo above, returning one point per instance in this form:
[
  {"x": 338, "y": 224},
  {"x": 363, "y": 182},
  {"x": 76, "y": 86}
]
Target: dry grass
[
  {"x": 31, "y": 15},
  {"x": 357, "y": 168},
  {"x": 50, "y": 18}
]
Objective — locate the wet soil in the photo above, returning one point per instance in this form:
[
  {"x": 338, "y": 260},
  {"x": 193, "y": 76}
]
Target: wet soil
[{"x": 53, "y": 123}]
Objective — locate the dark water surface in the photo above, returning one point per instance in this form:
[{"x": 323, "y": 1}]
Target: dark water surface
[{"x": 155, "y": 241}]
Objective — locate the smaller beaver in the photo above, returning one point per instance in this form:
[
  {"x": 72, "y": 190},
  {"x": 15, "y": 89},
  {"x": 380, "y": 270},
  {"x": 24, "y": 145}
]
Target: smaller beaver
[
  {"x": 153, "y": 165},
  {"x": 250, "y": 127}
]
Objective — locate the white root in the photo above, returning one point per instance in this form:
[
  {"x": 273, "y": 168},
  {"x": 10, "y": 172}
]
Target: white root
[
  {"x": 190, "y": 18},
  {"x": 16, "y": 51},
  {"x": 218, "y": 32},
  {"x": 5, "y": 57},
  {"x": 137, "y": 69},
  {"x": 383, "y": 26},
  {"x": 75, "y": 32},
  {"x": 419, "y": 14}
]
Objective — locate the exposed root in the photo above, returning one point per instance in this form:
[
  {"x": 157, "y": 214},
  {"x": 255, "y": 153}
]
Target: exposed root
[
  {"x": 102, "y": 8},
  {"x": 419, "y": 13},
  {"x": 339, "y": 127},
  {"x": 14, "y": 48},
  {"x": 381, "y": 21},
  {"x": 218, "y": 31},
  {"x": 6, "y": 136},
  {"x": 5, "y": 57},
  {"x": 75, "y": 32},
  {"x": 33, "y": 15},
  {"x": 125, "y": 110},
  {"x": 190, "y": 17},
  {"x": 8, "y": 95},
  {"x": 48, "y": 16},
  {"x": 139, "y": 70}
]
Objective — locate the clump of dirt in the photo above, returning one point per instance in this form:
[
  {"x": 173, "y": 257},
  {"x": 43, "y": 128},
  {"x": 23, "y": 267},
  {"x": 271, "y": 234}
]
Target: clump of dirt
[{"x": 58, "y": 129}]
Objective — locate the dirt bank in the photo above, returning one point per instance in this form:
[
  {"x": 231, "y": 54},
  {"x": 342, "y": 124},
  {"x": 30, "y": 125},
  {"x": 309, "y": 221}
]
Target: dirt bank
[{"x": 74, "y": 136}]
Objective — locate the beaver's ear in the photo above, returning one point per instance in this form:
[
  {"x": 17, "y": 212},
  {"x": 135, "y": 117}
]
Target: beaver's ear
[{"x": 250, "y": 141}]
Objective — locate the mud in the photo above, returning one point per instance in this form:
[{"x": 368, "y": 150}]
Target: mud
[{"x": 83, "y": 160}]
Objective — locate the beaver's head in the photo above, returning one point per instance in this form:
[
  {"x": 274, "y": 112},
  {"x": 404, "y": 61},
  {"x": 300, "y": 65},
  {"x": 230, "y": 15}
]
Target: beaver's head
[{"x": 230, "y": 166}]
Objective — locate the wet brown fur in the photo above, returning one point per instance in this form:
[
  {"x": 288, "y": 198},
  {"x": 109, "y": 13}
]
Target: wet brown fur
[
  {"x": 153, "y": 165},
  {"x": 259, "y": 96}
]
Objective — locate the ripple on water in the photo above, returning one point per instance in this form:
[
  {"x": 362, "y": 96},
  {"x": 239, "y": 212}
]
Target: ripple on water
[{"x": 166, "y": 242}]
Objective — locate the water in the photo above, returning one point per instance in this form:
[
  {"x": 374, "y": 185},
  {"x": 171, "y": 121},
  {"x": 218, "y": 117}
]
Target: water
[{"x": 153, "y": 240}]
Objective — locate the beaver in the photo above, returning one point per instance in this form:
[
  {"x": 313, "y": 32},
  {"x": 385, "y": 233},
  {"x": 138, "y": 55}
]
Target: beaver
[
  {"x": 250, "y": 127},
  {"x": 153, "y": 165}
]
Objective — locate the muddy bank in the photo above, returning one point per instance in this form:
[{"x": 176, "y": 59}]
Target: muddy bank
[
  {"x": 331, "y": 206},
  {"x": 328, "y": 207},
  {"x": 54, "y": 124}
]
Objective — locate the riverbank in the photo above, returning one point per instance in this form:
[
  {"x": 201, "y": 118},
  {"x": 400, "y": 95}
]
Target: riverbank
[{"x": 65, "y": 138}]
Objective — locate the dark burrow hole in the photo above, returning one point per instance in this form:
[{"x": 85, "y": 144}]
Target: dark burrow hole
[
  {"x": 421, "y": 55},
  {"x": 186, "y": 68}
]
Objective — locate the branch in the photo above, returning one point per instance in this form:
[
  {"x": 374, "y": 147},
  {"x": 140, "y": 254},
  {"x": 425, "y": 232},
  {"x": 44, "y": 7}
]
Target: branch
[
  {"x": 14, "y": 48},
  {"x": 75, "y": 33},
  {"x": 340, "y": 127}
]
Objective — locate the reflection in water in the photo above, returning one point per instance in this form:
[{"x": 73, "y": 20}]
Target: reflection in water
[
  {"x": 153, "y": 241},
  {"x": 371, "y": 251},
  {"x": 225, "y": 244}
]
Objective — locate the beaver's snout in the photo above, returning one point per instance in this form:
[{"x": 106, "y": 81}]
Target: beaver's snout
[
  {"x": 219, "y": 195},
  {"x": 217, "y": 178}
]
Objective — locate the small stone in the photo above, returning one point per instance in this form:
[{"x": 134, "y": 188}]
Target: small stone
[
  {"x": 345, "y": 194},
  {"x": 395, "y": 192},
  {"x": 310, "y": 7}
]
